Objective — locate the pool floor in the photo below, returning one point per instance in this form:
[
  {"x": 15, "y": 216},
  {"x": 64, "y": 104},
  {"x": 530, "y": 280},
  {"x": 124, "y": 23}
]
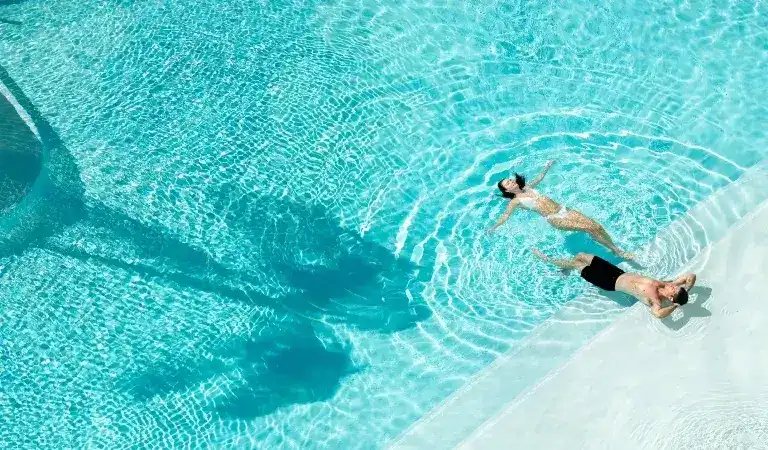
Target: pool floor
[{"x": 262, "y": 223}]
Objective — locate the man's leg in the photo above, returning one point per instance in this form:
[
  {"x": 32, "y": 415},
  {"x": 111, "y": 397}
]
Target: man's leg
[{"x": 578, "y": 262}]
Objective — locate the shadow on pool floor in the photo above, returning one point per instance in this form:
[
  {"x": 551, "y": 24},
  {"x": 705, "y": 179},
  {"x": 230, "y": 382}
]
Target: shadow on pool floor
[
  {"x": 361, "y": 283},
  {"x": 8, "y": 3},
  {"x": 20, "y": 157},
  {"x": 270, "y": 371}
]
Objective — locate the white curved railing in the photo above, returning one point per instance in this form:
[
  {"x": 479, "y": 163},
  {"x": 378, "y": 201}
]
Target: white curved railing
[{"x": 19, "y": 109}]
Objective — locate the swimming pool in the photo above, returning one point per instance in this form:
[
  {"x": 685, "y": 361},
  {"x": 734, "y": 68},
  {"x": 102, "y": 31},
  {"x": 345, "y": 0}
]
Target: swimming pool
[{"x": 261, "y": 223}]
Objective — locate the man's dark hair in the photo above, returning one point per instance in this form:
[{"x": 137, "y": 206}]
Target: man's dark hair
[{"x": 681, "y": 298}]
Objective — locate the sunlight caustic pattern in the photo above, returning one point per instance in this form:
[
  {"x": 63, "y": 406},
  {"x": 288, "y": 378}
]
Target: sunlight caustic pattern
[{"x": 262, "y": 223}]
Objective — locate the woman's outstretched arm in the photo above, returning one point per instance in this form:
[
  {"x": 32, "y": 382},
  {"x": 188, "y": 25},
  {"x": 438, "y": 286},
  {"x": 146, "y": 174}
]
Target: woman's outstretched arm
[
  {"x": 504, "y": 217},
  {"x": 540, "y": 176}
]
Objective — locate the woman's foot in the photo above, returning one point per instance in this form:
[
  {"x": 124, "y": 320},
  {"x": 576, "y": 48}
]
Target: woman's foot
[{"x": 626, "y": 255}]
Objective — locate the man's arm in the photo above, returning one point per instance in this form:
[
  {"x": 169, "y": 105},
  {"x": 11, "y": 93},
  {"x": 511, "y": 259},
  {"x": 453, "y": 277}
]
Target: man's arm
[
  {"x": 568, "y": 264},
  {"x": 663, "y": 312},
  {"x": 540, "y": 176},
  {"x": 504, "y": 217},
  {"x": 686, "y": 280}
]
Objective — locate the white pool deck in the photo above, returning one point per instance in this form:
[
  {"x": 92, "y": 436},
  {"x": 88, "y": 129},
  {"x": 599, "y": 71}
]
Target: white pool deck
[{"x": 612, "y": 377}]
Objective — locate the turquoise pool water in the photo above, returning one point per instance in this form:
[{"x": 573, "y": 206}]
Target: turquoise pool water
[{"x": 260, "y": 224}]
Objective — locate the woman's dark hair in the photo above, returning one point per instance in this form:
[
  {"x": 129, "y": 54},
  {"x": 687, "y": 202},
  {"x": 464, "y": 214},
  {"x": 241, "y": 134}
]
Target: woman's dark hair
[{"x": 519, "y": 181}]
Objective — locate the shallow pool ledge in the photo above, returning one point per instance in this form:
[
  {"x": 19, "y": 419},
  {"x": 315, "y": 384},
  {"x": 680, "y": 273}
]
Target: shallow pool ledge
[
  {"x": 695, "y": 380},
  {"x": 475, "y": 416}
]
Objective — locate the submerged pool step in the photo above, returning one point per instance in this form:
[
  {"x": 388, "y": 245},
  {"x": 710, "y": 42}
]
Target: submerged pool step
[{"x": 556, "y": 340}]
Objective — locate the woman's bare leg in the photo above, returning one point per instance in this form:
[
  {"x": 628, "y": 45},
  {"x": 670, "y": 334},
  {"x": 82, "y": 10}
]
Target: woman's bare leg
[
  {"x": 576, "y": 221},
  {"x": 600, "y": 235}
]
